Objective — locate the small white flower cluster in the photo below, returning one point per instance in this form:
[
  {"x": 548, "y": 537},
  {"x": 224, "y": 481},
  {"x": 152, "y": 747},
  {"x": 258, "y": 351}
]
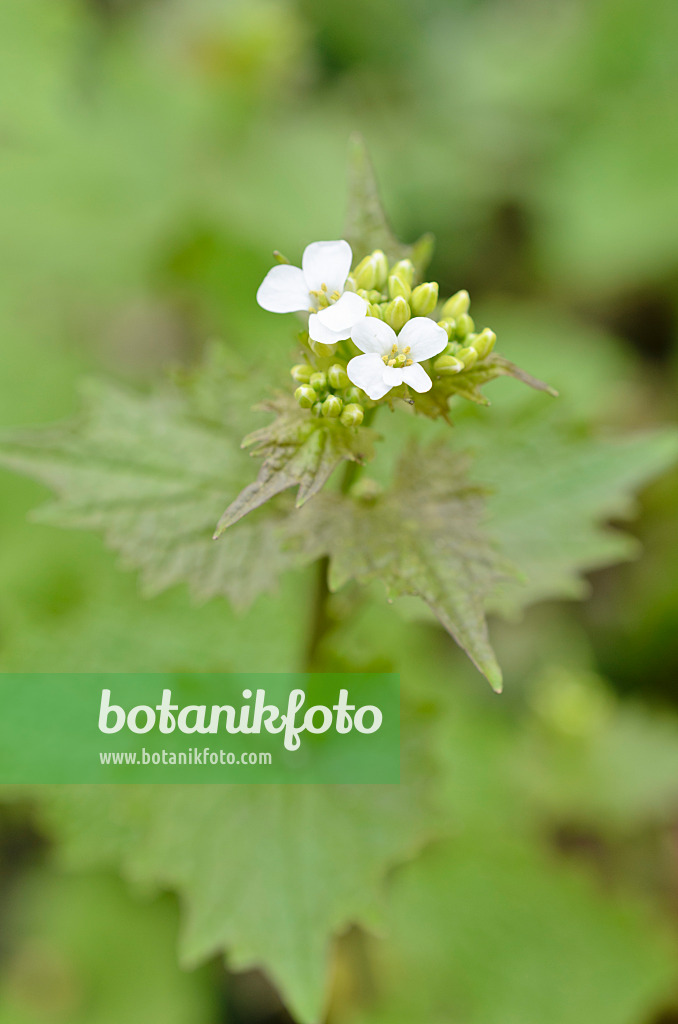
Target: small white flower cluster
[
  {"x": 378, "y": 309},
  {"x": 393, "y": 347}
]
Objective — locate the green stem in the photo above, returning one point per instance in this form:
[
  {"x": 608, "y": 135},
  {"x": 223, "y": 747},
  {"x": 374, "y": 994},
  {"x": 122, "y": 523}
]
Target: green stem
[{"x": 320, "y": 619}]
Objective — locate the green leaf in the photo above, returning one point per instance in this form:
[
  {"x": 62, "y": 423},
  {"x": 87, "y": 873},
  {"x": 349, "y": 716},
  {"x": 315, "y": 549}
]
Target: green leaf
[
  {"x": 367, "y": 227},
  {"x": 423, "y": 537},
  {"x": 552, "y": 493},
  {"x": 153, "y": 479},
  {"x": 268, "y": 873},
  {"x": 298, "y": 450},
  {"x": 505, "y": 934},
  {"x": 467, "y": 384}
]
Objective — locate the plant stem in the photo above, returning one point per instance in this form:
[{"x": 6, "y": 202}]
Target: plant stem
[{"x": 320, "y": 619}]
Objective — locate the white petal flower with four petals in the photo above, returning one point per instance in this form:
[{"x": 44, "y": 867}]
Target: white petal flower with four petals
[
  {"x": 317, "y": 287},
  {"x": 389, "y": 359}
]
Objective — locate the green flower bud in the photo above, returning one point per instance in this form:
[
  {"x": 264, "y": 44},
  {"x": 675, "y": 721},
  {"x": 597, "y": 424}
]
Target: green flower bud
[
  {"x": 424, "y": 298},
  {"x": 352, "y": 416},
  {"x": 458, "y": 304},
  {"x": 374, "y": 296},
  {"x": 448, "y": 325},
  {"x": 352, "y": 394},
  {"x": 468, "y": 357},
  {"x": 396, "y": 287},
  {"x": 446, "y": 365},
  {"x": 381, "y": 264},
  {"x": 365, "y": 274},
  {"x": 301, "y": 373},
  {"x": 372, "y": 271},
  {"x": 397, "y": 313},
  {"x": 464, "y": 327},
  {"x": 318, "y": 381},
  {"x": 404, "y": 269},
  {"x": 484, "y": 343},
  {"x": 337, "y": 377},
  {"x": 374, "y": 309},
  {"x": 305, "y": 396},
  {"x": 317, "y": 410},
  {"x": 332, "y": 406}
]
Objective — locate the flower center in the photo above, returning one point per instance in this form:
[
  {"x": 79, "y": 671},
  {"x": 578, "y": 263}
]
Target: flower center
[
  {"x": 322, "y": 299},
  {"x": 397, "y": 358}
]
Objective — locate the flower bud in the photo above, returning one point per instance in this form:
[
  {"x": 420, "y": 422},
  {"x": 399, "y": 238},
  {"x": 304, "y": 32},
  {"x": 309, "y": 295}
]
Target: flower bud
[
  {"x": 352, "y": 416},
  {"x": 468, "y": 356},
  {"x": 301, "y": 373},
  {"x": 317, "y": 410},
  {"x": 404, "y": 269},
  {"x": 458, "y": 304},
  {"x": 448, "y": 325},
  {"x": 484, "y": 343},
  {"x": 424, "y": 298},
  {"x": 464, "y": 326},
  {"x": 397, "y": 313},
  {"x": 381, "y": 264},
  {"x": 318, "y": 381},
  {"x": 352, "y": 395},
  {"x": 365, "y": 275},
  {"x": 374, "y": 296},
  {"x": 372, "y": 271},
  {"x": 337, "y": 377},
  {"x": 374, "y": 309},
  {"x": 305, "y": 396},
  {"x": 446, "y": 365},
  {"x": 332, "y": 406},
  {"x": 396, "y": 287}
]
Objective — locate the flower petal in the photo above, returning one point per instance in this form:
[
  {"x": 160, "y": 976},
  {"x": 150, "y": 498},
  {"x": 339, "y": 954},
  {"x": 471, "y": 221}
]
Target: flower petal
[
  {"x": 417, "y": 377},
  {"x": 327, "y": 263},
  {"x": 367, "y": 372},
  {"x": 394, "y": 376},
  {"x": 284, "y": 290},
  {"x": 424, "y": 337},
  {"x": 344, "y": 313},
  {"x": 373, "y": 335},
  {"x": 319, "y": 331}
]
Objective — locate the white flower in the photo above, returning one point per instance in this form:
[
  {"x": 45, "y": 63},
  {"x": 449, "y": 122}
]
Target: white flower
[
  {"x": 318, "y": 286},
  {"x": 392, "y": 359}
]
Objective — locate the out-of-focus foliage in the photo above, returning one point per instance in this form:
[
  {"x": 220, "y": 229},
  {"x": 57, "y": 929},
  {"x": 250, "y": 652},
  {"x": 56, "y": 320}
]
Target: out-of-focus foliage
[
  {"x": 74, "y": 937},
  {"x": 151, "y": 155}
]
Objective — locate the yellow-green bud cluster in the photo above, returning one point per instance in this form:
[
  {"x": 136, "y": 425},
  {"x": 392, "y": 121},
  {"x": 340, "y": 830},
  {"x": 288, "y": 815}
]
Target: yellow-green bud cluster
[
  {"x": 372, "y": 272},
  {"x": 390, "y": 292},
  {"x": 465, "y": 347},
  {"x": 318, "y": 389},
  {"x": 392, "y": 296}
]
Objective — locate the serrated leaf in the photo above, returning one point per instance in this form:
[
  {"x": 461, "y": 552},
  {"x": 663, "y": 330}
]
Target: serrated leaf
[
  {"x": 552, "y": 494},
  {"x": 423, "y": 537},
  {"x": 367, "y": 227},
  {"x": 153, "y": 479},
  {"x": 467, "y": 384},
  {"x": 298, "y": 451},
  {"x": 268, "y": 873}
]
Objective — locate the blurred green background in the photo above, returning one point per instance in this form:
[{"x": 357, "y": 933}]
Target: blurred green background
[{"x": 152, "y": 154}]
